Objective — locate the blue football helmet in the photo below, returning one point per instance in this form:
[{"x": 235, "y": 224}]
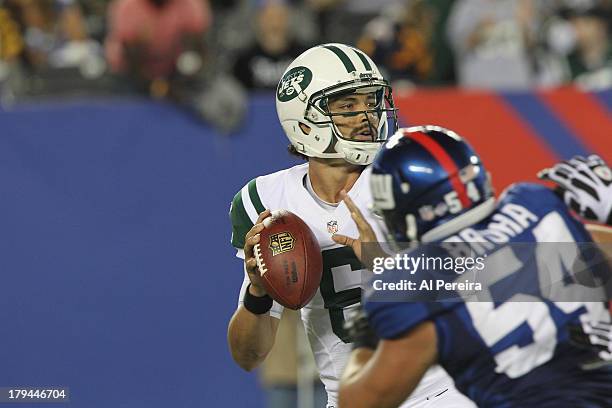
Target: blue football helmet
[{"x": 428, "y": 183}]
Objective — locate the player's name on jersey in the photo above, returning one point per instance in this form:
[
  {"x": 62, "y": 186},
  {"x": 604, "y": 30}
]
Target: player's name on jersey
[
  {"x": 509, "y": 222},
  {"x": 426, "y": 285}
]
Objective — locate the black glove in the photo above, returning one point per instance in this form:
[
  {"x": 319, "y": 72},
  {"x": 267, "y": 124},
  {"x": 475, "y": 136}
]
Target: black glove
[
  {"x": 360, "y": 332},
  {"x": 594, "y": 336},
  {"x": 586, "y": 186}
]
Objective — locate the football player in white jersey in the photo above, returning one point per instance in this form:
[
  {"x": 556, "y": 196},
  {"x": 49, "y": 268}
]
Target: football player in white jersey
[{"x": 334, "y": 106}]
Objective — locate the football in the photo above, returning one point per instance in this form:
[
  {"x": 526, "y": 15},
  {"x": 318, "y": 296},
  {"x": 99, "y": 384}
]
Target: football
[{"x": 289, "y": 259}]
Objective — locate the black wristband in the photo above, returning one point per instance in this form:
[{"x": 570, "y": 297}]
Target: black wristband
[{"x": 256, "y": 304}]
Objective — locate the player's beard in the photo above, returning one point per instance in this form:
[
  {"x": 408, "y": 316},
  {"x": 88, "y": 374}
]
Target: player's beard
[
  {"x": 354, "y": 132},
  {"x": 357, "y": 134}
]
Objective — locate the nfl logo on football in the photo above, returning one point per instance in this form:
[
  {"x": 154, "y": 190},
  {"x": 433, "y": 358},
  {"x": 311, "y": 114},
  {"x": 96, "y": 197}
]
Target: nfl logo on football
[
  {"x": 332, "y": 227},
  {"x": 281, "y": 242}
]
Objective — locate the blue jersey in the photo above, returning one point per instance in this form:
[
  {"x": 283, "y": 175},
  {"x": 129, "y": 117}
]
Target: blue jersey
[{"x": 505, "y": 353}]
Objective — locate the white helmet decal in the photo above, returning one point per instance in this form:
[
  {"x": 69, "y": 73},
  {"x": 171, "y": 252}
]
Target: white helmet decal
[{"x": 293, "y": 82}]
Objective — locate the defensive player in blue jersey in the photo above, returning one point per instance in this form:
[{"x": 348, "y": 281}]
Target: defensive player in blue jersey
[{"x": 430, "y": 186}]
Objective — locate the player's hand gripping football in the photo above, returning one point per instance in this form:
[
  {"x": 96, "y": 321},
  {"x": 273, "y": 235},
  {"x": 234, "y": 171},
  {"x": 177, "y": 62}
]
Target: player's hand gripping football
[
  {"x": 250, "y": 240},
  {"x": 586, "y": 186},
  {"x": 366, "y": 235}
]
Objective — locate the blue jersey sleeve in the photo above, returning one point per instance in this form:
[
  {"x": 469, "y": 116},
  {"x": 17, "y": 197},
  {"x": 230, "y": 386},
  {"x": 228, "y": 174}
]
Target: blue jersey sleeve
[{"x": 391, "y": 320}]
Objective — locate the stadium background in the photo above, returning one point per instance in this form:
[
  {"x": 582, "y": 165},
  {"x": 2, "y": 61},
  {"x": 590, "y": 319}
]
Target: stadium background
[{"x": 117, "y": 278}]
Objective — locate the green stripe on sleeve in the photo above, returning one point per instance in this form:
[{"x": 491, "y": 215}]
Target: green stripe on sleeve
[
  {"x": 363, "y": 59},
  {"x": 348, "y": 64},
  {"x": 241, "y": 223},
  {"x": 254, "y": 195}
]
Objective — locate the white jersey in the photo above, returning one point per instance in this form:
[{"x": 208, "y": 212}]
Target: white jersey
[{"x": 340, "y": 289}]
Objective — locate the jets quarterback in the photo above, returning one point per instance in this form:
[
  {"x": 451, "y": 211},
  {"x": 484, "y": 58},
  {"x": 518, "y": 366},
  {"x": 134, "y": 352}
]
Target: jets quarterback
[{"x": 336, "y": 109}]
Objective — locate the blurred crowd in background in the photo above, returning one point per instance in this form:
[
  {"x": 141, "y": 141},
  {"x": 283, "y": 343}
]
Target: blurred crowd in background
[{"x": 206, "y": 55}]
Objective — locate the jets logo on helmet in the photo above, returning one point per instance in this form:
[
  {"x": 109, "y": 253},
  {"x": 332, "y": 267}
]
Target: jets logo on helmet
[
  {"x": 321, "y": 75},
  {"x": 293, "y": 83}
]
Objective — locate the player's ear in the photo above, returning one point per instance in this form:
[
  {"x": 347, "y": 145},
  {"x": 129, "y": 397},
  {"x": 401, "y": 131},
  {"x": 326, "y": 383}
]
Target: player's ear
[{"x": 305, "y": 128}]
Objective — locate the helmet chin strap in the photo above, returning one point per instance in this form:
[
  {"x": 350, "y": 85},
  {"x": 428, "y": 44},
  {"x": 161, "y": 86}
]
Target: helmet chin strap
[{"x": 360, "y": 153}]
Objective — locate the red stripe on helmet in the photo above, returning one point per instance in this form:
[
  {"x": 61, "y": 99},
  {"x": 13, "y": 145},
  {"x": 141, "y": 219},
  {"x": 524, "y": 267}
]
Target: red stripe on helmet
[{"x": 445, "y": 161}]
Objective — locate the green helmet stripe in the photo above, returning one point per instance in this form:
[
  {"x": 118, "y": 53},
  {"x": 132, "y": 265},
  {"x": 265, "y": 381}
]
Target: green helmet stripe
[
  {"x": 348, "y": 64},
  {"x": 363, "y": 59},
  {"x": 255, "y": 197}
]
